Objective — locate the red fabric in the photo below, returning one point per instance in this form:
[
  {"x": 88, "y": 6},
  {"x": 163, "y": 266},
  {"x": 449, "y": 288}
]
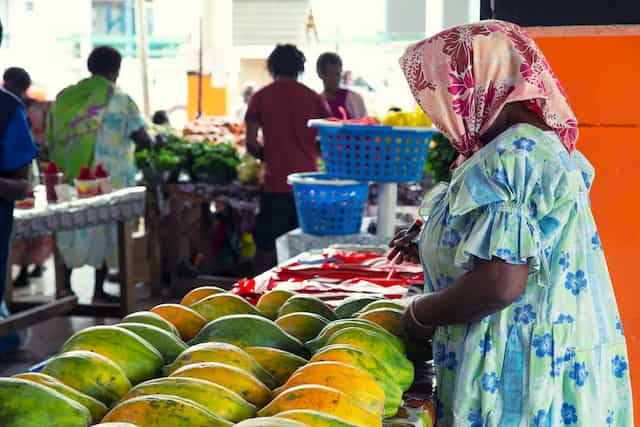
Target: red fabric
[{"x": 282, "y": 109}]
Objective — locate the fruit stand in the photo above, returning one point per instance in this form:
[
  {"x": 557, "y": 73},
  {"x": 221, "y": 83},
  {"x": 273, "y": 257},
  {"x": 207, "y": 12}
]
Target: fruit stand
[
  {"x": 314, "y": 342},
  {"x": 118, "y": 207}
]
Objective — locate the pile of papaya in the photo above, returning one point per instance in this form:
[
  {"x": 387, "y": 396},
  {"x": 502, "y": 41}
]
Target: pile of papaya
[{"x": 217, "y": 360}]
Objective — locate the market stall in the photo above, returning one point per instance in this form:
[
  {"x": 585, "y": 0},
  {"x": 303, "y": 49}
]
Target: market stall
[
  {"x": 119, "y": 207},
  {"x": 313, "y": 340}
]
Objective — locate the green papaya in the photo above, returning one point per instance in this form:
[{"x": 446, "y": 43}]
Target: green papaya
[
  {"x": 153, "y": 319},
  {"x": 303, "y": 326},
  {"x": 270, "y": 303},
  {"x": 248, "y": 330},
  {"x": 307, "y": 304},
  {"x": 338, "y": 325},
  {"x": 167, "y": 344},
  {"x": 218, "y": 305},
  {"x": 352, "y": 305}
]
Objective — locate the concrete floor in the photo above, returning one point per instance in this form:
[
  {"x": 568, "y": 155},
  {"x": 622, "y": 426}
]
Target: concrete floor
[{"x": 44, "y": 339}]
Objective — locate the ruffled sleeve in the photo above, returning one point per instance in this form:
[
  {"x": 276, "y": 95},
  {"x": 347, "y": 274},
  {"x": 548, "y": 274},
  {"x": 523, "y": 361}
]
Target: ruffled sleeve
[{"x": 513, "y": 197}]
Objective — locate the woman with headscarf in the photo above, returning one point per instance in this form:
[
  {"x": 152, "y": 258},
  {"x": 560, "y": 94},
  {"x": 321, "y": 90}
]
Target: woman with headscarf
[{"x": 518, "y": 299}]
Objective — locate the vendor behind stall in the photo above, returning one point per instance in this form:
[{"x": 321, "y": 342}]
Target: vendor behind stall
[
  {"x": 17, "y": 150},
  {"x": 95, "y": 122},
  {"x": 282, "y": 109},
  {"x": 342, "y": 101},
  {"x": 519, "y": 300}
]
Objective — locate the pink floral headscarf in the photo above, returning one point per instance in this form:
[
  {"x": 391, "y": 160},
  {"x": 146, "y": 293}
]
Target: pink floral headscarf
[{"x": 464, "y": 76}]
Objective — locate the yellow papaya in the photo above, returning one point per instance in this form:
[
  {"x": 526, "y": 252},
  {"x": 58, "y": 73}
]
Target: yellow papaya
[
  {"x": 324, "y": 399},
  {"x": 381, "y": 348},
  {"x": 89, "y": 373},
  {"x": 227, "y": 354},
  {"x": 303, "y": 326},
  {"x": 383, "y": 303},
  {"x": 361, "y": 359},
  {"x": 215, "y": 398},
  {"x": 195, "y": 295},
  {"x": 352, "y": 305},
  {"x": 167, "y": 344},
  {"x": 95, "y": 407},
  {"x": 270, "y": 422},
  {"x": 138, "y": 359},
  {"x": 279, "y": 363},
  {"x": 355, "y": 382},
  {"x": 243, "y": 383},
  {"x": 270, "y": 303},
  {"x": 115, "y": 425},
  {"x": 314, "y": 418},
  {"x": 158, "y": 410},
  {"x": 215, "y": 306},
  {"x": 388, "y": 318},
  {"x": 248, "y": 330},
  {"x": 338, "y": 325},
  {"x": 149, "y": 318},
  {"x": 26, "y": 403},
  {"x": 307, "y": 304},
  {"x": 186, "y": 320}
]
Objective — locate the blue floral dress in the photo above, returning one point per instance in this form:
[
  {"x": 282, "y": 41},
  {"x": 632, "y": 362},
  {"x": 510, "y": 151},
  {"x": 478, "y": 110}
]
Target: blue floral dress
[{"x": 557, "y": 356}]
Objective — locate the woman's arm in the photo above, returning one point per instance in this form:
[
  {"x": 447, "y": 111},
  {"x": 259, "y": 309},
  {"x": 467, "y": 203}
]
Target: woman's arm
[
  {"x": 490, "y": 287},
  {"x": 16, "y": 185},
  {"x": 253, "y": 146}
]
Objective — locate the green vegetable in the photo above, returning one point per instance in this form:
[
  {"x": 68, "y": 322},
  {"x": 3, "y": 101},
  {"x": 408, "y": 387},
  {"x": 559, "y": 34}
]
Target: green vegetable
[{"x": 440, "y": 158}]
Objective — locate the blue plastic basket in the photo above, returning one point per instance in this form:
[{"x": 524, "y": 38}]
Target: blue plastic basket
[
  {"x": 373, "y": 153},
  {"x": 328, "y": 206}
]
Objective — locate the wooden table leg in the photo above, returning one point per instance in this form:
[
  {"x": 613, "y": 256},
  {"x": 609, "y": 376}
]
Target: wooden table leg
[
  {"x": 127, "y": 294},
  {"x": 59, "y": 270}
]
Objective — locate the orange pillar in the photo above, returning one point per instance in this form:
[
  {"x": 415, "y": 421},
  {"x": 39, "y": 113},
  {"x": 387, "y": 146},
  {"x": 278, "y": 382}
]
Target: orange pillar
[
  {"x": 599, "y": 68},
  {"x": 214, "y": 99}
]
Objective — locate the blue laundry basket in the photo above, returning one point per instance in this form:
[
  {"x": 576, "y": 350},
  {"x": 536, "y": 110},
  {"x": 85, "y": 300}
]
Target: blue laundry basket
[
  {"x": 373, "y": 152},
  {"x": 328, "y": 206}
]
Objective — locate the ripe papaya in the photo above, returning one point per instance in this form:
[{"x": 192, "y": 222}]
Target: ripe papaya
[
  {"x": 167, "y": 344},
  {"x": 246, "y": 385},
  {"x": 307, "y": 304},
  {"x": 89, "y": 373},
  {"x": 115, "y": 425},
  {"x": 149, "y": 318},
  {"x": 270, "y": 422},
  {"x": 158, "y": 410},
  {"x": 324, "y": 399},
  {"x": 361, "y": 359},
  {"x": 383, "y": 303},
  {"x": 215, "y": 398},
  {"x": 338, "y": 325},
  {"x": 248, "y": 330},
  {"x": 138, "y": 359},
  {"x": 227, "y": 354},
  {"x": 355, "y": 382},
  {"x": 186, "y": 320},
  {"x": 215, "y": 306},
  {"x": 197, "y": 294},
  {"x": 303, "y": 326},
  {"x": 379, "y": 347},
  {"x": 96, "y": 408},
  {"x": 270, "y": 303},
  {"x": 313, "y": 418},
  {"x": 279, "y": 363},
  {"x": 388, "y": 318},
  {"x": 26, "y": 403},
  {"x": 352, "y": 305}
]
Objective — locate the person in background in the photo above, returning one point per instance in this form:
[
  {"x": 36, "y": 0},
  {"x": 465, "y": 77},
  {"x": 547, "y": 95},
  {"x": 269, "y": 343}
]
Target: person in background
[
  {"x": 160, "y": 118},
  {"x": 247, "y": 93},
  {"x": 341, "y": 100},
  {"x": 95, "y": 122},
  {"x": 519, "y": 301},
  {"x": 17, "y": 150},
  {"x": 282, "y": 110},
  {"x": 27, "y": 251}
]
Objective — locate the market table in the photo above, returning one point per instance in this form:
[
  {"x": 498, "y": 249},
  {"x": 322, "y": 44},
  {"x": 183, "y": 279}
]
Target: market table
[{"x": 119, "y": 207}]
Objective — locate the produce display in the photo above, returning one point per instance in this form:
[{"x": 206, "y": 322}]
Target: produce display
[{"x": 217, "y": 360}]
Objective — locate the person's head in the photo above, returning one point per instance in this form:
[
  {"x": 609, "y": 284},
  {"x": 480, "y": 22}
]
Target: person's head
[
  {"x": 329, "y": 68},
  {"x": 347, "y": 78},
  {"x": 286, "y": 61},
  {"x": 105, "y": 61},
  {"x": 17, "y": 81},
  {"x": 464, "y": 77},
  {"x": 160, "y": 117},
  {"x": 247, "y": 92}
]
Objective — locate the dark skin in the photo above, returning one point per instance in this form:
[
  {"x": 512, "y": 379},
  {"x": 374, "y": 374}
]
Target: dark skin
[
  {"x": 330, "y": 77},
  {"x": 491, "y": 286}
]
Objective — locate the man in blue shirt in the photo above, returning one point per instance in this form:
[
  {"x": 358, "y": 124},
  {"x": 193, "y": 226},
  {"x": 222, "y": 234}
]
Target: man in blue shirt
[{"x": 17, "y": 149}]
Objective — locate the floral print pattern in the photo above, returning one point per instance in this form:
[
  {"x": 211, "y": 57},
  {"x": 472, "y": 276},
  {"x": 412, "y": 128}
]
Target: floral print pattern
[{"x": 560, "y": 339}]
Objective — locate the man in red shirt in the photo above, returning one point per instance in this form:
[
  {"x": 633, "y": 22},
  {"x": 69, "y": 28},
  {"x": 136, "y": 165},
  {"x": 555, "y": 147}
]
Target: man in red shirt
[{"x": 282, "y": 109}]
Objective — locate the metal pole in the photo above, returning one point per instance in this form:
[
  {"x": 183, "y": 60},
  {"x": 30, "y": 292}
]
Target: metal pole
[
  {"x": 387, "y": 203},
  {"x": 142, "y": 50},
  {"x": 200, "y": 68}
]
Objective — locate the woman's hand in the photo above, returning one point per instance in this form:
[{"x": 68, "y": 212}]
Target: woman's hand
[
  {"x": 404, "y": 246},
  {"x": 414, "y": 330}
]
